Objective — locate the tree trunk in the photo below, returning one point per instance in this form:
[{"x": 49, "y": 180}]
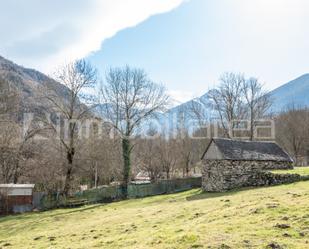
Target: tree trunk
[
  {"x": 252, "y": 124},
  {"x": 188, "y": 165},
  {"x": 67, "y": 181},
  {"x": 187, "y": 170},
  {"x": 16, "y": 173},
  {"x": 167, "y": 174},
  {"x": 68, "y": 175},
  {"x": 15, "y": 178},
  {"x": 126, "y": 153}
]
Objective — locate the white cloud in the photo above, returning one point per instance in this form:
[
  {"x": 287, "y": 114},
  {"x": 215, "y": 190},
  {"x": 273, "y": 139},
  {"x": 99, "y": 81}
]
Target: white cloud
[{"x": 43, "y": 34}]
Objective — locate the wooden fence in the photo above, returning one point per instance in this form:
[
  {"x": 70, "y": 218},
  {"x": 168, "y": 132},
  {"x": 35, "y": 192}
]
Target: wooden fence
[{"x": 113, "y": 193}]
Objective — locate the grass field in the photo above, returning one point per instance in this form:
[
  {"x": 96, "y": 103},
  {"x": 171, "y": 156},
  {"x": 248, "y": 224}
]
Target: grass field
[
  {"x": 251, "y": 218},
  {"x": 304, "y": 171}
]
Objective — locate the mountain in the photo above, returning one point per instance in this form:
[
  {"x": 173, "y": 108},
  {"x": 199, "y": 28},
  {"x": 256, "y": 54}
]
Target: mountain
[
  {"x": 29, "y": 83},
  {"x": 294, "y": 93}
]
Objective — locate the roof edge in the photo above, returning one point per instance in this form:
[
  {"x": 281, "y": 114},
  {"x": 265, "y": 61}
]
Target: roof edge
[{"x": 212, "y": 140}]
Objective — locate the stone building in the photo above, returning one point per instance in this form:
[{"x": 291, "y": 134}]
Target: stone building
[{"x": 228, "y": 164}]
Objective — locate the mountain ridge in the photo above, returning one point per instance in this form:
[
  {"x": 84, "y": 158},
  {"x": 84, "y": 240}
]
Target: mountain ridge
[
  {"x": 293, "y": 93},
  {"x": 28, "y": 81}
]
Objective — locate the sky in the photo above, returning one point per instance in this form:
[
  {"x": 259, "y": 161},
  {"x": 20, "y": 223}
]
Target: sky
[{"x": 183, "y": 44}]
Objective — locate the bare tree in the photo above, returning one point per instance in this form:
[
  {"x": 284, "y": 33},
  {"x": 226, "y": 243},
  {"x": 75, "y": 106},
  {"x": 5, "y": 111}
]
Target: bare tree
[
  {"x": 16, "y": 149},
  {"x": 10, "y": 146},
  {"x": 227, "y": 100},
  {"x": 199, "y": 111},
  {"x": 237, "y": 98},
  {"x": 76, "y": 77},
  {"x": 185, "y": 153},
  {"x": 292, "y": 131},
  {"x": 46, "y": 169},
  {"x": 168, "y": 156},
  {"x": 99, "y": 156},
  {"x": 16, "y": 140},
  {"x": 129, "y": 98},
  {"x": 257, "y": 102},
  {"x": 147, "y": 158}
]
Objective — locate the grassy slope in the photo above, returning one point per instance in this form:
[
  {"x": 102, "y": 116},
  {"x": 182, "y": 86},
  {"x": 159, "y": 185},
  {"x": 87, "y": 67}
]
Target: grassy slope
[
  {"x": 297, "y": 170},
  {"x": 244, "y": 219}
]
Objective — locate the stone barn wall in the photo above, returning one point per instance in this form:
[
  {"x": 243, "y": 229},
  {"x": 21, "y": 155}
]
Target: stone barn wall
[{"x": 223, "y": 175}]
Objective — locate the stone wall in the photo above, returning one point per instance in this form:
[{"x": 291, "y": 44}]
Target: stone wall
[
  {"x": 223, "y": 175},
  {"x": 273, "y": 165},
  {"x": 269, "y": 179}
]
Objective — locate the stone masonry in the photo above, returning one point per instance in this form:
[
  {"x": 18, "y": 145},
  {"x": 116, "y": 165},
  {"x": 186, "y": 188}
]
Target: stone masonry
[{"x": 223, "y": 175}]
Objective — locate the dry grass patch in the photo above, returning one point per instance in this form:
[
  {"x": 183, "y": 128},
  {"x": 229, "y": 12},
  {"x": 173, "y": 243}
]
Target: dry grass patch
[{"x": 252, "y": 218}]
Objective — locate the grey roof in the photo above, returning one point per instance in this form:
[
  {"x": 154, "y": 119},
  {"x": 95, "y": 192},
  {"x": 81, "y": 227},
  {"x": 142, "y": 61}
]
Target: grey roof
[
  {"x": 12, "y": 185},
  {"x": 250, "y": 150}
]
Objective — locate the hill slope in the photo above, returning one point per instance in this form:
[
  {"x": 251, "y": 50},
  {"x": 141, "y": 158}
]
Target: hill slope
[
  {"x": 29, "y": 82},
  {"x": 294, "y": 93},
  {"x": 254, "y": 218}
]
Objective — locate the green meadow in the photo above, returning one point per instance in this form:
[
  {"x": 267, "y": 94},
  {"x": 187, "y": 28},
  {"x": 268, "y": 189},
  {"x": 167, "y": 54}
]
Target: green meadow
[{"x": 272, "y": 217}]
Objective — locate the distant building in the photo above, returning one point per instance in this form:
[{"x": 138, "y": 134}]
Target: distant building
[
  {"x": 16, "y": 198},
  {"x": 228, "y": 164},
  {"x": 142, "y": 177}
]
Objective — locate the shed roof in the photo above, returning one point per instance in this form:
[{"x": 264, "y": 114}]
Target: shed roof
[
  {"x": 250, "y": 150},
  {"x": 11, "y": 185}
]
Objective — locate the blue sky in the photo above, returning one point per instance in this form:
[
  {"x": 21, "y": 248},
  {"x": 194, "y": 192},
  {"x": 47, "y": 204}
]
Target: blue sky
[
  {"x": 188, "y": 48},
  {"x": 47, "y": 33},
  {"x": 185, "y": 45}
]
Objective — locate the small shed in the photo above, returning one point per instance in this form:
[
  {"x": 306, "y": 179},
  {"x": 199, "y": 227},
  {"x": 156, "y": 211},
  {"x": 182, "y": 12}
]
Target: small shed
[
  {"x": 228, "y": 164},
  {"x": 16, "y": 198}
]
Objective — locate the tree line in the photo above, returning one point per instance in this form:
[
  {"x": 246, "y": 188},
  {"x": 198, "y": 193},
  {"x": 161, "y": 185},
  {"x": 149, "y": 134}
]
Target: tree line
[{"x": 51, "y": 152}]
